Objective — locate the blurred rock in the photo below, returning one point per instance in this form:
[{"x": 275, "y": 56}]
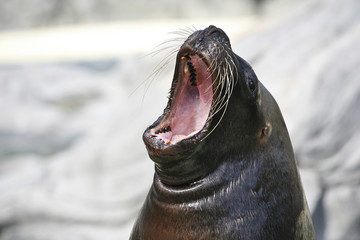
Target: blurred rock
[
  {"x": 72, "y": 156},
  {"x": 42, "y": 13}
]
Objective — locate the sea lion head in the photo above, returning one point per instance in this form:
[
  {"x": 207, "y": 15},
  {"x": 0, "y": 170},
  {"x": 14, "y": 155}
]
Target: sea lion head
[{"x": 214, "y": 112}]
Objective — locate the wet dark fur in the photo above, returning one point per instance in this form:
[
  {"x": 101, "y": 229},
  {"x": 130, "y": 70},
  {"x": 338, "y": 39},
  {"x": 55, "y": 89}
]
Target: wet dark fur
[{"x": 237, "y": 178}]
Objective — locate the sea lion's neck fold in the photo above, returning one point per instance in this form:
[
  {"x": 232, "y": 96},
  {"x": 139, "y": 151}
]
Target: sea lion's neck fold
[{"x": 180, "y": 194}]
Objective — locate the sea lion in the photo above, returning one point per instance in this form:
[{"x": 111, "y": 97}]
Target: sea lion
[{"x": 224, "y": 163}]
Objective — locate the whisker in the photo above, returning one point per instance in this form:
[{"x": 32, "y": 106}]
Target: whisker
[
  {"x": 161, "y": 66},
  {"x": 223, "y": 84}
]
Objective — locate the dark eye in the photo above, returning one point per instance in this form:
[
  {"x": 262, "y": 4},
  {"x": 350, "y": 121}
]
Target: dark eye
[{"x": 251, "y": 85}]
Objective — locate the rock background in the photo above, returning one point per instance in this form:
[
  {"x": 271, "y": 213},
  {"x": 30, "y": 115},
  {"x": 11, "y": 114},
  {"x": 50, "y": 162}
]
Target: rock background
[
  {"x": 43, "y": 13},
  {"x": 72, "y": 163}
]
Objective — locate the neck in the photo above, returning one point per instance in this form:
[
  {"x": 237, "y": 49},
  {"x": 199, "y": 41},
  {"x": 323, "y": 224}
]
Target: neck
[
  {"x": 189, "y": 193},
  {"x": 187, "y": 169}
]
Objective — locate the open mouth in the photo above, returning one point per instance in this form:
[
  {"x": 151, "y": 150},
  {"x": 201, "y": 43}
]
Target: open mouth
[{"x": 191, "y": 101}]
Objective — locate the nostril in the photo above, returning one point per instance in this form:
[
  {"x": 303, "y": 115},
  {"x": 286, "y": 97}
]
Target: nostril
[{"x": 199, "y": 40}]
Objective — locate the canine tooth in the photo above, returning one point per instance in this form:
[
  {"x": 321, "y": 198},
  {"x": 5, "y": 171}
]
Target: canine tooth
[
  {"x": 185, "y": 57},
  {"x": 186, "y": 70}
]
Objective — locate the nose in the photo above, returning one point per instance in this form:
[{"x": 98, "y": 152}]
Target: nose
[{"x": 216, "y": 33}]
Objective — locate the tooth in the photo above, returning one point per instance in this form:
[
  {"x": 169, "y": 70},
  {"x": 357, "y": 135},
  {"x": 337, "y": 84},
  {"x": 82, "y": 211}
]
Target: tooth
[
  {"x": 186, "y": 69},
  {"x": 193, "y": 75},
  {"x": 185, "y": 57}
]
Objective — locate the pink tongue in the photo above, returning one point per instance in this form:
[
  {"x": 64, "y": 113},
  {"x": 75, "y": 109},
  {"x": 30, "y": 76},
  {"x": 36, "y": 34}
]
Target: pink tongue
[{"x": 192, "y": 105}]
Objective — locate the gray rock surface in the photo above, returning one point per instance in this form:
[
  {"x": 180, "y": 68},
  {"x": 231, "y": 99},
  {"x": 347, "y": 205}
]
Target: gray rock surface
[
  {"x": 72, "y": 162},
  {"x": 43, "y": 13}
]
